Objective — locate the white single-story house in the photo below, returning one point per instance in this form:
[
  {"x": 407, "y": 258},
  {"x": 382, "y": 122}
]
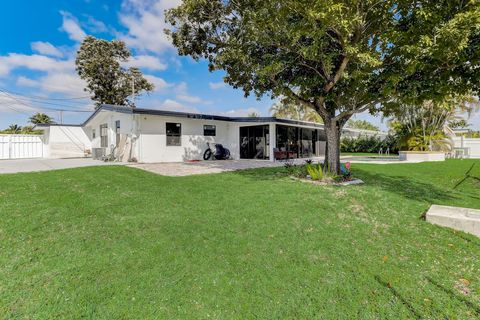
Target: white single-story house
[{"x": 148, "y": 136}]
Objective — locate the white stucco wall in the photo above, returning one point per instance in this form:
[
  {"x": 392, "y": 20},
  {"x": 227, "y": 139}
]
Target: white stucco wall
[
  {"x": 65, "y": 142},
  {"x": 152, "y": 141}
]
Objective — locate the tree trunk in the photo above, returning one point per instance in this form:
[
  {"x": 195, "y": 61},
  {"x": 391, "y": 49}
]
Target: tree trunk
[{"x": 332, "y": 152}]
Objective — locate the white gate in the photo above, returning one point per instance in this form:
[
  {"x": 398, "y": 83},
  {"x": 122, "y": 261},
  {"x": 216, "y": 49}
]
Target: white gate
[{"x": 20, "y": 146}]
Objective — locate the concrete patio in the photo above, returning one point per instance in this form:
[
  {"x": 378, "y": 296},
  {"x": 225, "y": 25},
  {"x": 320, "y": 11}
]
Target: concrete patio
[{"x": 203, "y": 167}]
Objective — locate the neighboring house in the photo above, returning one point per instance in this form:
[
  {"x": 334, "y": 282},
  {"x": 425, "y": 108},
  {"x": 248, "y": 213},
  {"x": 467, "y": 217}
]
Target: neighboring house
[{"x": 147, "y": 135}]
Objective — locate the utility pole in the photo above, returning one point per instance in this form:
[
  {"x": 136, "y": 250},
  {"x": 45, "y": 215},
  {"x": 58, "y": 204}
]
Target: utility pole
[
  {"x": 61, "y": 116},
  {"x": 133, "y": 91}
]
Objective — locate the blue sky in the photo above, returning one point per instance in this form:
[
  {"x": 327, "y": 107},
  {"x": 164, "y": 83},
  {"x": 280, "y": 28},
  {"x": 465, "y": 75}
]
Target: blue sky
[{"x": 37, "y": 52}]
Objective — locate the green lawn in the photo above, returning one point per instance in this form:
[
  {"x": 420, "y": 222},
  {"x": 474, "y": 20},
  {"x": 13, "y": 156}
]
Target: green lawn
[{"x": 118, "y": 243}]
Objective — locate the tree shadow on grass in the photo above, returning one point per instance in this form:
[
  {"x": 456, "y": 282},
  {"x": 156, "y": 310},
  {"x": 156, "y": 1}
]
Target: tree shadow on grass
[
  {"x": 408, "y": 188},
  {"x": 396, "y": 294},
  {"x": 455, "y": 296},
  {"x": 264, "y": 173}
]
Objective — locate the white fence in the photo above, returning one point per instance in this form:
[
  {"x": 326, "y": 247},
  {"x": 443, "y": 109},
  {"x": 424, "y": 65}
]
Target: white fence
[
  {"x": 473, "y": 145},
  {"x": 20, "y": 146}
]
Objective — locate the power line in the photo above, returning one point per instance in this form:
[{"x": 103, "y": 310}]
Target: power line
[
  {"x": 44, "y": 98},
  {"x": 22, "y": 97},
  {"x": 41, "y": 107},
  {"x": 50, "y": 103}
]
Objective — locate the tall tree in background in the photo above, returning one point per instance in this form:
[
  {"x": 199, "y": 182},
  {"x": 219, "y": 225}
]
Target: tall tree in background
[
  {"x": 40, "y": 118},
  {"x": 429, "y": 126},
  {"x": 99, "y": 63},
  {"x": 336, "y": 57},
  {"x": 362, "y": 125}
]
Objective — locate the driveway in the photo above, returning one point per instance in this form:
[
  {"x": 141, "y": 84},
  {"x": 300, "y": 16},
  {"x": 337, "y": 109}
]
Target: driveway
[{"x": 32, "y": 165}]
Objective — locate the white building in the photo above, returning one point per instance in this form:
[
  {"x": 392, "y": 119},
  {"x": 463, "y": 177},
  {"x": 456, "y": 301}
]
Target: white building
[{"x": 146, "y": 135}]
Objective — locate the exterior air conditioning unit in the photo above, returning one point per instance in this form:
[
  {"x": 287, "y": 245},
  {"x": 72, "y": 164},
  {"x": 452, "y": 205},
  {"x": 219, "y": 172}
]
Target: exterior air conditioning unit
[{"x": 99, "y": 153}]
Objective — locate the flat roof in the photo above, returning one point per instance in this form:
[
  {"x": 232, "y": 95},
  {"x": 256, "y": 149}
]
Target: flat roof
[
  {"x": 200, "y": 116},
  {"x": 188, "y": 115}
]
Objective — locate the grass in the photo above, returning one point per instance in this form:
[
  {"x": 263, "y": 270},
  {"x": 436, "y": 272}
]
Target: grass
[{"x": 119, "y": 243}]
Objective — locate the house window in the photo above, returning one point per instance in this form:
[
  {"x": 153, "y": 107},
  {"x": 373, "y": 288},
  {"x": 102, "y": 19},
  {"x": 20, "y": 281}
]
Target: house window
[
  {"x": 174, "y": 134},
  {"x": 93, "y": 134},
  {"x": 209, "y": 130},
  {"x": 104, "y": 135}
]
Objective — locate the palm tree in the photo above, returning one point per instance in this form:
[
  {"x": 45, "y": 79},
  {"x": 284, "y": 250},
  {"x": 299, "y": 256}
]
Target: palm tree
[
  {"x": 427, "y": 126},
  {"x": 14, "y": 129},
  {"x": 40, "y": 118},
  {"x": 27, "y": 130}
]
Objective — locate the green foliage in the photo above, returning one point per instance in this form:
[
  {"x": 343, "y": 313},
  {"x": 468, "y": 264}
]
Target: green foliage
[
  {"x": 253, "y": 115},
  {"x": 16, "y": 129},
  {"x": 427, "y": 126},
  {"x": 459, "y": 124},
  {"x": 41, "y": 118},
  {"x": 473, "y": 134},
  {"x": 361, "y": 124},
  {"x": 98, "y": 62},
  {"x": 315, "y": 171},
  {"x": 336, "y": 57},
  {"x": 369, "y": 144},
  {"x": 13, "y": 129}
]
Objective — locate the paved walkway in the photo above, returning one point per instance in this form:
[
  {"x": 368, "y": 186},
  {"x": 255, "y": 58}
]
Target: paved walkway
[
  {"x": 203, "y": 167},
  {"x": 32, "y": 165}
]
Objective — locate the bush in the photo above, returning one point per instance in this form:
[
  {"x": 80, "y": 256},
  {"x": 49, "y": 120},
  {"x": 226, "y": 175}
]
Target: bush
[{"x": 369, "y": 144}]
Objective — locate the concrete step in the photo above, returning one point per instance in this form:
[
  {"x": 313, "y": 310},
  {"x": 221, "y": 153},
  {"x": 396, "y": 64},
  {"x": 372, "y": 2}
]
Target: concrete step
[{"x": 462, "y": 219}]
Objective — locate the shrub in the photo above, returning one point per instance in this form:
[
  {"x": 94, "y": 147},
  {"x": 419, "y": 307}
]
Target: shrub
[
  {"x": 315, "y": 171},
  {"x": 369, "y": 144}
]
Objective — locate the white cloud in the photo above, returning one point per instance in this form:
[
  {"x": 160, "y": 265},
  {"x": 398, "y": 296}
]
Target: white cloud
[
  {"x": 159, "y": 83},
  {"x": 217, "y": 85},
  {"x": 181, "y": 91},
  {"x": 145, "y": 21},
  {"x": 146, "y": 62},
  {"x": 94, "y": 25},
  {"x": 59, "y": 75},
  {"x": 239, "y": 112},
  {"x": 9, "y": 104},
  {"x": 171, "y": 105},
  {"x": 71, "y": 26},
  {"x": 65, "y": 83},
  {"x": 26, "y": 82},
  {"x": 46, "y": 48},
  {"x": 33, "y": 62}
]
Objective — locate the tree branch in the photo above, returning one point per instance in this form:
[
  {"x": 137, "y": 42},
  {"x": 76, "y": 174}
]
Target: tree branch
[
  {"x": 337, "y": 76},
  {"x": 351, "y": 112}
]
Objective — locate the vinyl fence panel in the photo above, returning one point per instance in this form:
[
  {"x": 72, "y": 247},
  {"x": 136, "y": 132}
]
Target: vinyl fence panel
[
  {"x": 20, "y": 146},
  {"x": 473, "y": 144}
]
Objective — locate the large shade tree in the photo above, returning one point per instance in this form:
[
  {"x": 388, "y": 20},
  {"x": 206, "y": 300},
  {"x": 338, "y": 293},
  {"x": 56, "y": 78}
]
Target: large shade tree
[
  {"x": 101, "y": 64},
  {"x": 335, "y": 57}
]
